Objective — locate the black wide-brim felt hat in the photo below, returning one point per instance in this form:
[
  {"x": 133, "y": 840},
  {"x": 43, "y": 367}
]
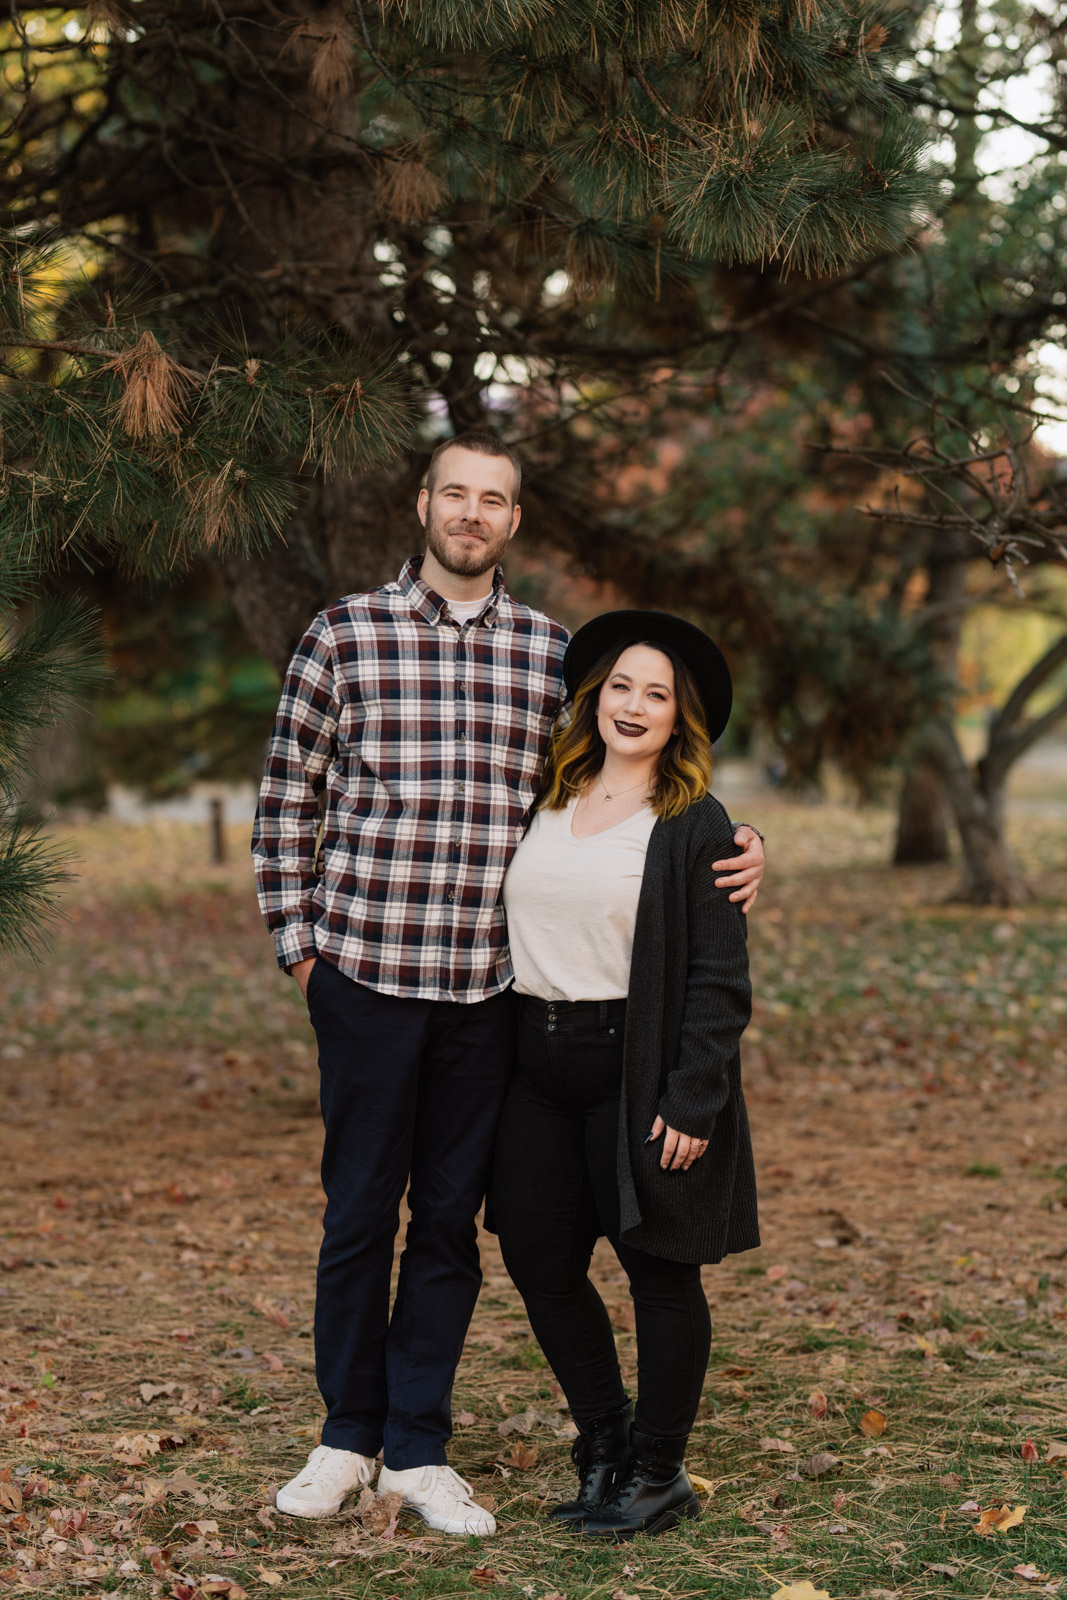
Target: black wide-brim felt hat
[{"x": 617, "y": 629}]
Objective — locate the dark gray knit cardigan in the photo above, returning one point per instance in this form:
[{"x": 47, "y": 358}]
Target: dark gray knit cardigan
[{"x": 688, "y": 1004}]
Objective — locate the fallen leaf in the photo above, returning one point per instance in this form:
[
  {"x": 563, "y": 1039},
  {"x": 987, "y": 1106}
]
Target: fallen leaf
[
  {"x": 181, "y": 1483},
  {"x": 818, "y": 1465},
  {"x": 10, "y": 1497},
  {"x": 950, "y": 1480},
  {"x": 1000, "y": 1520},
  {"x": 267, "y": 1576},
  {"x": 942, "y": 1568},
  {"x": 379, "y": 1513},
  {"x": 782, "y": 1445},
  {"x": 485, "y": 1577},
  {"x": 873, "y": 1424},
  {"x": 272, "y": 1362},
  {"x": 775, "y": 1273},
  {"x": 215, "y": 1584},
  {"x": 200, "y": 1529},
  {"x": 818, "y": 1404},
  {"x": 805, "y": 1590},
  {"x": 521, "y": 1457},
  {"x": 701, "y": 1485},
  {"x": 1056, "y": 1450},
  {"x": 970, "y": 1505},
  {"x": 1029, "y": 1450},
  {"x": 466, "y": 1419},
  {"x": 273, "y": 1313},
  {"x": 150, "y": 1391},
  {"x": 1029, "y": 1573},
  {"x": 133, "y": 1449}
]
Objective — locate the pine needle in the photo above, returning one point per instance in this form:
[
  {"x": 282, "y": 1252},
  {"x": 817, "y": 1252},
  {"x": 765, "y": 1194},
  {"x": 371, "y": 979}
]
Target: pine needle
[
  {"x": 333, "y": 42},
  {"x": 106, "y": 13},
  {"x": 154, "y": 386},
  {"x": 408, "y": 191}
]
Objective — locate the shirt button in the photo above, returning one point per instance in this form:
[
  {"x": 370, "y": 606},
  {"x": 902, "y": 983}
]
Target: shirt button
[
  {"x": 451, "y": 894},
  {"x": 463, "y": 738},
  {"x": 461, "y": 688},
  {"x": 460, "y": 787}
]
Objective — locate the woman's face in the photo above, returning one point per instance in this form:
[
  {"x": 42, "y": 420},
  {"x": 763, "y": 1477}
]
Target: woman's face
[{"x": 637, "y": 711}]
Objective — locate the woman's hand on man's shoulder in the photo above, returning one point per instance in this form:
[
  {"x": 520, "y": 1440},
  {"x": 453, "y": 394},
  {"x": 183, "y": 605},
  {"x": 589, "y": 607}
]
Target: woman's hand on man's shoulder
[{"x": 744, "y": 872}]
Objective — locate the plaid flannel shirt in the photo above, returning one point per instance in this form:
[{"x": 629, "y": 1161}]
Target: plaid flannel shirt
[{"x": 427, "y": 741}]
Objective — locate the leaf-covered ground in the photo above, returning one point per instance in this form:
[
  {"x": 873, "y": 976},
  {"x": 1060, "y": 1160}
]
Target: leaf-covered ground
[{"x": 907, "y": 1075}]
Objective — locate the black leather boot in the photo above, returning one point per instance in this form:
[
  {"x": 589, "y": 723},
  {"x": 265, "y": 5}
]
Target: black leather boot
[
  {"x": 598, "y": 1453},
  {"x": 653, "y": 1492}
]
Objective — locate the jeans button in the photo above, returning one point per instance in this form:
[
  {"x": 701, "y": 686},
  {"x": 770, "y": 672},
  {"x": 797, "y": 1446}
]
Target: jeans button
[{"x": 551, "y": 1027}]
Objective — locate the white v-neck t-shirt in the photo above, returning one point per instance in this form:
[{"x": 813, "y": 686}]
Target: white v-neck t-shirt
[{"x": 571, "y": 906}]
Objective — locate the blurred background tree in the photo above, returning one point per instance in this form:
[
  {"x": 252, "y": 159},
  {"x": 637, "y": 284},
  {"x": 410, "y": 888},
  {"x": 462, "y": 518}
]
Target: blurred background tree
[
  {"x": 295, "y": 198},
  {"x": 685, "y": 256}
]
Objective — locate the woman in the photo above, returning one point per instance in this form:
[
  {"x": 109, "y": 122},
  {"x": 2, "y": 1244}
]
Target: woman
[{"x": 626, "y": 1116}]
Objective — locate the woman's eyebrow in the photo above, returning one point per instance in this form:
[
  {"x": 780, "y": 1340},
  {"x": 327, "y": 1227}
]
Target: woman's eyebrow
[{"x": 627, "y": 679}]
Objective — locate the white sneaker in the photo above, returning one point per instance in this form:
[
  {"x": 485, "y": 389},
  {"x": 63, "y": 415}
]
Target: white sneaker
[
  {"x": 440, "y": 1496},
  {"x": 319, "y": 1491}
]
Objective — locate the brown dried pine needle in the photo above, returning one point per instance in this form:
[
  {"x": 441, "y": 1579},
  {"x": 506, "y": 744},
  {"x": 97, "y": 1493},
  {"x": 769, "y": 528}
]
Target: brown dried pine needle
[{"x": 154, "y": 388}]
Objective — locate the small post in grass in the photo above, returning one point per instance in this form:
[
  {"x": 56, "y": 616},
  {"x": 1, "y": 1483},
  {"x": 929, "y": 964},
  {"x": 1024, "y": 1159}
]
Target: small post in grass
[{"x": 218, "y": 831}]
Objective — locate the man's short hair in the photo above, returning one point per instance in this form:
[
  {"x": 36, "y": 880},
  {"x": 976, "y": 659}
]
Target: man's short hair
[{"x": 483, "y": 444}]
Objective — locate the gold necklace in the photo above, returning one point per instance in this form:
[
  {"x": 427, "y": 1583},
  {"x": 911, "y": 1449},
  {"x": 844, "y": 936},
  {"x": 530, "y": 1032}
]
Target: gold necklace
[{"x": 642, "y": 785}]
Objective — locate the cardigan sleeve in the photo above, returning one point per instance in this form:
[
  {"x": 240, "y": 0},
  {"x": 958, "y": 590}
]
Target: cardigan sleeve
[{"x": 718, "y": 998}]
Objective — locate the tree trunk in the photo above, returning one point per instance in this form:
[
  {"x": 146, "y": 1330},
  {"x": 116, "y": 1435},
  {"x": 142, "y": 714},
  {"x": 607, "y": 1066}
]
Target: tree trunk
[
  {"x": 922, "y": 823},
  {"x": 990, "y": 875}
]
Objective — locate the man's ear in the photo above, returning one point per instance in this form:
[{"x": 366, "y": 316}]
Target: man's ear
[
  {"x": 422, "y": 505},
  {"x": 516, "y": 518}
]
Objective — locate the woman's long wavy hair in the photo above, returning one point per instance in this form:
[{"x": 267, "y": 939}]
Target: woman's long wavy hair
[{"x": 576, "y": 753}]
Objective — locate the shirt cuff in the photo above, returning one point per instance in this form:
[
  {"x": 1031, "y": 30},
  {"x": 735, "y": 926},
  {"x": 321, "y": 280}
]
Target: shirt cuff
[{"x": 295, "y": 943}]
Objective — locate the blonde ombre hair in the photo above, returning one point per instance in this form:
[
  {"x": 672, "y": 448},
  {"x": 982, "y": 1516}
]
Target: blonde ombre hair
[{"x": 576, "y": 753}]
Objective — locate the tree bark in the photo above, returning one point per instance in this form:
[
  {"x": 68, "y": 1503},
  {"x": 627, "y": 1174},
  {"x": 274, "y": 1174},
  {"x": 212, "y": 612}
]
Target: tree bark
[
  {"x": 922, "y": 822},
  {"x": 990, "y": 874}
]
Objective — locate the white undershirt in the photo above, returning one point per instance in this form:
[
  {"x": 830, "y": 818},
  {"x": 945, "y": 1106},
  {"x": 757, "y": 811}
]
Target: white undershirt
[
  {"x": 572, "y": 905},
  {"x": 467, "y": 610}
]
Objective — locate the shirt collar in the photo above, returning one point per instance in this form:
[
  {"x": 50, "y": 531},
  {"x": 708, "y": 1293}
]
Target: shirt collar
[{"x": 432, "y": 607}]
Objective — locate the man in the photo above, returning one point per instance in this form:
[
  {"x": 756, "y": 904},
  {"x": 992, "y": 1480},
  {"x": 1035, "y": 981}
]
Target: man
[{"x": 420, "y": 713}]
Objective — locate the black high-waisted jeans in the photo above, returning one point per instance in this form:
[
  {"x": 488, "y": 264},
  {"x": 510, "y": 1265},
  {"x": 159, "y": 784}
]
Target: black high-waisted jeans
[{"x": 555, "y": 1191}]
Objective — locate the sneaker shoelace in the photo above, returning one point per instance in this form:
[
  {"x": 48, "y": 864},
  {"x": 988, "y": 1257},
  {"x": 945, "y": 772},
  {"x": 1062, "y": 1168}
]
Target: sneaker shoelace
[
  {"x": 448, "y": 1479},
  {"x": 327, "y": 1470}
]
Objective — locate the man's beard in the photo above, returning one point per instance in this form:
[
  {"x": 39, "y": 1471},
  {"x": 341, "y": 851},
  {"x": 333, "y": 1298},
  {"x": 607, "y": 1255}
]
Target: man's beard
[{"x": 464, "y": 561}]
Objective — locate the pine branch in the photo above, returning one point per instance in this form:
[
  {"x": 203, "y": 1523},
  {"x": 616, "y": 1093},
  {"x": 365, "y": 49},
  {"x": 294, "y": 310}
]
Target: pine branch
[
  {"x": 50, "y": 665},
  {"x": 32, "y": 870}
]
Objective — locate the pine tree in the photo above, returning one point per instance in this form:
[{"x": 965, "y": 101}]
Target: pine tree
[
  {"x": 115, "y": 450},
  {"x": 289, "y": 205},
  {"x": 517, "y": 194},
  {"x": 850, "y": 623}
]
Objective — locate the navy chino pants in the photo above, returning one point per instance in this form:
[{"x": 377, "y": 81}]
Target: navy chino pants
[{"x": 410, "y": 1090}]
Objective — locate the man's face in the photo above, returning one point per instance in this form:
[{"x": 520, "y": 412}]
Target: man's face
[{"x": 470, "y": 517}]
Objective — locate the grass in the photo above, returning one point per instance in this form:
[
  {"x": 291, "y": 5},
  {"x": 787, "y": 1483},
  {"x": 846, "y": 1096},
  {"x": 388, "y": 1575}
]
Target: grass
[{"x": 160, "y": 1211}]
